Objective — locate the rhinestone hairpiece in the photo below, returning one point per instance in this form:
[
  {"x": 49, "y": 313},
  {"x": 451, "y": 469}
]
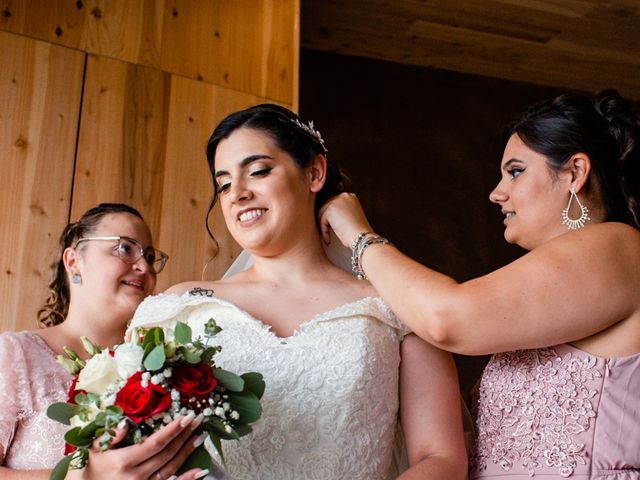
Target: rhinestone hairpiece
[{"x": 311, "y": 131}]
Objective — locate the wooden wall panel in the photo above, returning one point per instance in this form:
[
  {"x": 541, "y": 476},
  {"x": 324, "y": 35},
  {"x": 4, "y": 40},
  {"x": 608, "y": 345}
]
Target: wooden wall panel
[
  {"x": 195, "y": 109},
  {"x": 40, "y": 90},
  {"x": 247, "y": 45},
  {"x": 123, "y": 115},
  {"x": 122, "y": 136}
]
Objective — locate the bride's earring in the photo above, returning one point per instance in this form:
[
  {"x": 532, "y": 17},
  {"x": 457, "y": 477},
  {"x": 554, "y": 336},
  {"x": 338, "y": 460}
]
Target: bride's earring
[{"x": 584, "y": 213}]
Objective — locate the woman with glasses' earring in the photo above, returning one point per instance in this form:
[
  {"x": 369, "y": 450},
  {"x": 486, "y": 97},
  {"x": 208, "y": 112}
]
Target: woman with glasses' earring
[
  {"x": 105, "y": 267},
  {"x": 565, "y": 402}
]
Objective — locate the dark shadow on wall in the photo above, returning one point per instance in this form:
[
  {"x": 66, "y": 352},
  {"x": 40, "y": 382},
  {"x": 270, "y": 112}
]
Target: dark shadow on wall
[{"x": 423, "y": 149}]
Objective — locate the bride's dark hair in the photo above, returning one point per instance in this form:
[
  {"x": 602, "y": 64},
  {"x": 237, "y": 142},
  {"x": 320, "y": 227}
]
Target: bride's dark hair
[
  {"x": 606, "y": 128},
  {"x": 288, "y": 132},
  {"x": 56, "y": 306}
]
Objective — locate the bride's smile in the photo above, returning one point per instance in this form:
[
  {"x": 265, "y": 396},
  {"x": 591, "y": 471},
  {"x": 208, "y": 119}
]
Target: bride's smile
[{"x": 250, "y": 214}]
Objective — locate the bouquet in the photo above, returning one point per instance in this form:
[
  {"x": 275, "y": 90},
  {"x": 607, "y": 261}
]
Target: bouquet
[{"x": 148, "y": 381}]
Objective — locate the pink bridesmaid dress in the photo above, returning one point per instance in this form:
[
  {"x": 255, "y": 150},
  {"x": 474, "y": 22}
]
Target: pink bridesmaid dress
[
  {"x": 30, "y": 380},
  {"x": 558, "y": 413}
]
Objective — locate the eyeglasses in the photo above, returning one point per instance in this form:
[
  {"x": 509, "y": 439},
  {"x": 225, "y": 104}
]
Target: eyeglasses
[{"x": 130, "y": 251}]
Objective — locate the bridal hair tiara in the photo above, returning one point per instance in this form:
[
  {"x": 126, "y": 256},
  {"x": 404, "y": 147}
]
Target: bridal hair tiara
[{"x": 311, "y": 131}]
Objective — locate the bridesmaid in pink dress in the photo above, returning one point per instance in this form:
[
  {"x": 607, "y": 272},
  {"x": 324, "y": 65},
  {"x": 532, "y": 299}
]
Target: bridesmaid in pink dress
[
  {"x": 105, "y": 268},
  {"x": 560, "y": 396}
]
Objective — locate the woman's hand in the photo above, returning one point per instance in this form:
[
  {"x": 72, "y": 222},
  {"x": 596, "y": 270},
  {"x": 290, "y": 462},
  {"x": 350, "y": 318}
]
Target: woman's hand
[
  {"x": 344, "y": 214},
  {"x": 157, "y": 457}
]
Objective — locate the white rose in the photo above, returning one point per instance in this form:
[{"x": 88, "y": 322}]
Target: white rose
[
  {"x": 128, "y": 359},
  {"x": 98, "y": 374}
]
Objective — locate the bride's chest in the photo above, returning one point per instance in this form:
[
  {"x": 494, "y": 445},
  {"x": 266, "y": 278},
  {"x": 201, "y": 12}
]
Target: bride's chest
[{"x": 338, "y": 355}]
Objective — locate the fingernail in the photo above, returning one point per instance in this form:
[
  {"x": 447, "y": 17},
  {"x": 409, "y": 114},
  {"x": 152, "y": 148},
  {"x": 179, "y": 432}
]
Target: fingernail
[
  {"x": 197, "y": 421},
  {"x": 201, "y": 473},
  {"x": 122, "y": 423},
  {"x": 200, "y": 440},
  {"x": 187, "y": 420}
]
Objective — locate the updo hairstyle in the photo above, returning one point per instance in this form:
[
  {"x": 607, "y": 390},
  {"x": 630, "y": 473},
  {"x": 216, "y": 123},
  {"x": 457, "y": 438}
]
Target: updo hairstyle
[{"x": 603, "y": 126}]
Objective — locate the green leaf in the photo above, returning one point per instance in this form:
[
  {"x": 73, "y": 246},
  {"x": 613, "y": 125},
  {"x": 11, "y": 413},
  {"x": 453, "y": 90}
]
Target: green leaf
[
  {"x": 211, "y": 328},
  {"x": 243, "y": 430},
  {"x": 89, "y": 430},
  {"x": 247, "y": 405},
  {"x": 254, "y": 383},
  {"x": 73, "y": 437},
  {"x": 215, "y": 426},
  {"x": 158, "y": 335},
  {"x": 62, "y": 412},
  {"x": 59, "y": 472},
  {"x": 229, "y": 380},
  {"x": 189, "y": 356},
  {"x": 183, "y": 333},
  {"x": 199, "y": 458},
  {"x": 153, "y": 338},
  {"x": 218, "y": 444},
  {"x": 110, "y": 417},
  {"x": 208, "y": 354},
  {"x": 155, "y": 359}
]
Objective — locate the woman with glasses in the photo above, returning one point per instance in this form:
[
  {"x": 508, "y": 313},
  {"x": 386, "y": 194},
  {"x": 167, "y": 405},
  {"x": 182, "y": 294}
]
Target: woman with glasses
[{"x": 105, "y": 267}]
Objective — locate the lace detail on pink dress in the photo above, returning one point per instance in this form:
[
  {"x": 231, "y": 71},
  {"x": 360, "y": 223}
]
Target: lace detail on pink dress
[
  {"x": 331, "y": 401},
  {"x": 30, "y": 380},
  {"x": 533, "y": 406}
]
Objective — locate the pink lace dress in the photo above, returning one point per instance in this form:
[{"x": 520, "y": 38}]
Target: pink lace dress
[
  {"x": 558, "y": 412},
  {"x": 30, "y": 380}
]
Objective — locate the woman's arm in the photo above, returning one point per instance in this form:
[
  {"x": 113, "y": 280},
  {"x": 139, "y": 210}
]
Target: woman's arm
[
  {"x": 570, "y": 288},
  {"x": 430, "y": 412}
]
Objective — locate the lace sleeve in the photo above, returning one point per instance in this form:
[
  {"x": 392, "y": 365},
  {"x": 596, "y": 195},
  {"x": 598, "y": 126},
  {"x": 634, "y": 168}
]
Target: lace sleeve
[{"x": 12, "y": 380}]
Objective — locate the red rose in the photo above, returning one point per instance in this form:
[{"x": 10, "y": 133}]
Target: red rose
[
  {"x": 194, "y": 382},
  {"x": 139, "y": 402},
  {"x": 69, "y": 449},
  {"x": 71, "y": 394}
]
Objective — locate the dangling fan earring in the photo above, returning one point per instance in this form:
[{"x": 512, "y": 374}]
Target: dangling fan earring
[{"x": 578, "y": 222}]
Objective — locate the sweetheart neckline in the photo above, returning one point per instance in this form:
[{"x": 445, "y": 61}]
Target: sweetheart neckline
[{"x": 318, "y": 317}]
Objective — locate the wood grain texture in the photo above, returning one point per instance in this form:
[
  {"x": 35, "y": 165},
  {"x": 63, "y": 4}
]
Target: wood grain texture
[
  {"x": 246, "y": 45},
  {"x": 575, "y": 44},
  {"x": 122, "y": 137},
  {"x": 40, "y": 90},
  {"x": 123, "y": 115}
]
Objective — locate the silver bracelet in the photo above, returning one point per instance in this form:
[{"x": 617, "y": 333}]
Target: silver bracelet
[{"x": 360, "y": 244}]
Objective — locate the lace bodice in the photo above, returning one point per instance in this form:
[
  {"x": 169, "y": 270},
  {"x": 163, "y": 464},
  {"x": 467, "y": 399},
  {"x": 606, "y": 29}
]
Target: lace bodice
[
  {"x": 558, "y": 412},
  {"x": 30, "y": 380},
  {"x": 331, "y": 399}
]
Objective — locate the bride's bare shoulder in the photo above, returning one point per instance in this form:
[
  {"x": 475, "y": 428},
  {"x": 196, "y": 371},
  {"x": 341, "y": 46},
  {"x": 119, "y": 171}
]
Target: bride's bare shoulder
[
  {"x": 358, "y": 288},
  {"x": 180, "y": 288}
]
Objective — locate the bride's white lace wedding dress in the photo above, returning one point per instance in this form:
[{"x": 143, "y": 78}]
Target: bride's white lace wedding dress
[{"x": 331, "y": 400}]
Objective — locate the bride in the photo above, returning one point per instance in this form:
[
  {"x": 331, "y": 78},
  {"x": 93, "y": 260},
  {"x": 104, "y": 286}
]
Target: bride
[{"x": 346, "y": 381}]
